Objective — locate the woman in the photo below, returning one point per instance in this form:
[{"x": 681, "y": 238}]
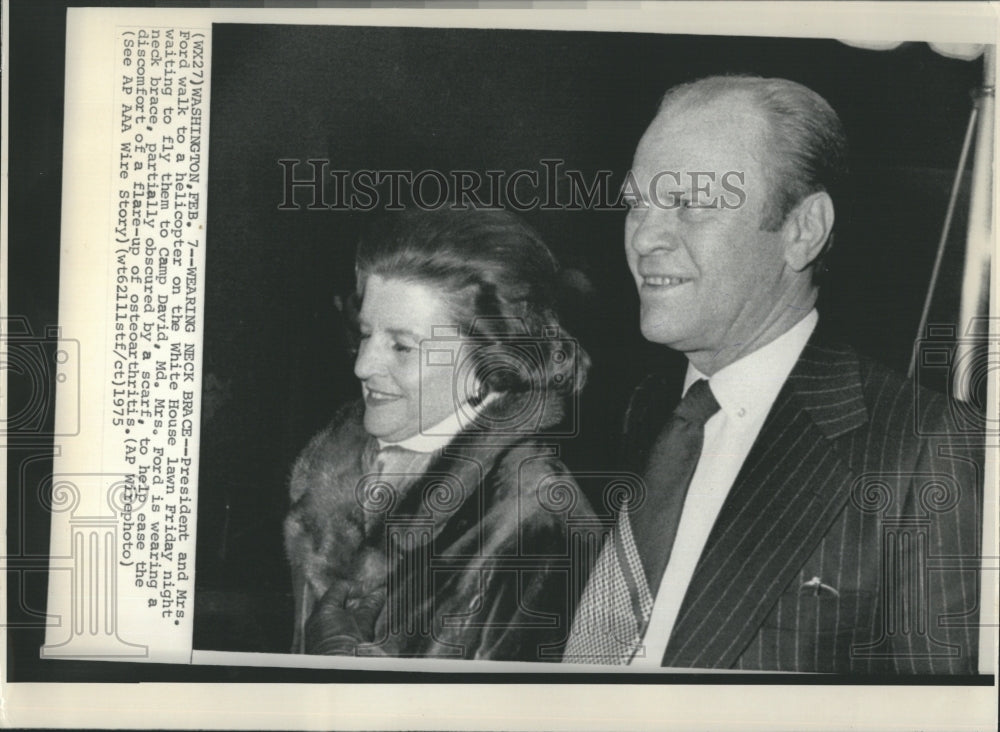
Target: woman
[{"x": 431, "y": 518}]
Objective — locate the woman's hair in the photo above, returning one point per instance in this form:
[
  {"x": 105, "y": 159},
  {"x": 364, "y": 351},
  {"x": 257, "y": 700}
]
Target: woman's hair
[{"x": 501, "y": 283}]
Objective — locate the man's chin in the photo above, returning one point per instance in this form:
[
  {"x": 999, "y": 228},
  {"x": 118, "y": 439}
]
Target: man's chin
[{"x": 662, "y": 334}]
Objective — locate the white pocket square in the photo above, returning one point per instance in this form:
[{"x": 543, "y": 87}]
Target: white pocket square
[{"x": 818, "y": 587}]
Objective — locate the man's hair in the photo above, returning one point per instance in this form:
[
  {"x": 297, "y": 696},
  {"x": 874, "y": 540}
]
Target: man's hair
[{"x": 807, "y": 144}]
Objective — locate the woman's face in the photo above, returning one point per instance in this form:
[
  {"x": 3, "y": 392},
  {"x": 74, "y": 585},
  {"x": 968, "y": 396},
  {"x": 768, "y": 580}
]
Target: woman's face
[{"x": 405, "y": 388}]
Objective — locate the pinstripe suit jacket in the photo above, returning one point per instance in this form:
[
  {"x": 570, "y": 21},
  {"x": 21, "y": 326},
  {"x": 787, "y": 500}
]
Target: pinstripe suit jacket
[{"x": 849, "y": 539}]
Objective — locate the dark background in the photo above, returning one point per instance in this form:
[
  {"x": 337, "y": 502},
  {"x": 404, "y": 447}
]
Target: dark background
[{"x": 276, "y": 362}]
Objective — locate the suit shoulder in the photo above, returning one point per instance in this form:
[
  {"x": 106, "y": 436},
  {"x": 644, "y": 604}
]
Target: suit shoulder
[
  {"x": 892, "y": 396},
  {"x": 653, "y": 390}
]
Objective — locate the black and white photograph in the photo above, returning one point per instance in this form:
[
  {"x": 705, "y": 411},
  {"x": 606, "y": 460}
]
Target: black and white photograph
[
  {"x": 477, "y": 212},
  {"x": 428, "y": 347}
]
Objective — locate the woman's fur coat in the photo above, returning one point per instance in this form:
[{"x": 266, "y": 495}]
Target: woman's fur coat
[{"x": 473, "y": 558}]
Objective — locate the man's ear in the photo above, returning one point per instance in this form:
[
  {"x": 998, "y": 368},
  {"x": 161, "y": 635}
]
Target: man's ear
[{"x": 806, "y": 230}]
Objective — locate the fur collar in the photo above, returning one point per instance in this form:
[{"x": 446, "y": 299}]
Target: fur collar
[{"x": 325, "y": 530}]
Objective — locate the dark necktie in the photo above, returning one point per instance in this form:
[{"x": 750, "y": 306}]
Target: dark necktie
[
  {"x": 672, "y": 461},
  {"x": 611, "y": 620}
]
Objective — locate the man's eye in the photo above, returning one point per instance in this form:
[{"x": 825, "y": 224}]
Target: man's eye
[
  {"x": 364, "y": 336},
  {"x": 401, "y": 348},
  {"x": 696, "y": 208}
]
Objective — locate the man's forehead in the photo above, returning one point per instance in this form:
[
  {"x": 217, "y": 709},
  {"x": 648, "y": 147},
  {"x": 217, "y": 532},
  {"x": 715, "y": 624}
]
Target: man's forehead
[{"x": 718, "y": 129}]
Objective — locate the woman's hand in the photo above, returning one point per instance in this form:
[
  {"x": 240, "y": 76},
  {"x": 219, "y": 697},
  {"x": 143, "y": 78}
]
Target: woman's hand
[{"x": 344, "y": 619}]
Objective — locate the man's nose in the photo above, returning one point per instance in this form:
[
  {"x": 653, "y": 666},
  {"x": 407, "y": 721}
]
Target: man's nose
[{"x": 656, "y": 230}]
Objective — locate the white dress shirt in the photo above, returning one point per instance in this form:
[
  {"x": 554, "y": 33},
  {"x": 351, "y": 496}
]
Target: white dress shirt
[{"x": 745, "y": 390}]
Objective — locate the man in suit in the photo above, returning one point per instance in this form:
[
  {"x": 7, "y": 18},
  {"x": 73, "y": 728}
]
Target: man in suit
[{"x": 805, "y": 508}]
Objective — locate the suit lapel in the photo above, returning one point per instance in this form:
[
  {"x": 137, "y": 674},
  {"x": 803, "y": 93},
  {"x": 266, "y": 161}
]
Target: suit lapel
[{"x": 791, "y": 487}]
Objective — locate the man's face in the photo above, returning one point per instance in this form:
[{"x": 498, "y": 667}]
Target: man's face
[{"x": 710, "y": 280}]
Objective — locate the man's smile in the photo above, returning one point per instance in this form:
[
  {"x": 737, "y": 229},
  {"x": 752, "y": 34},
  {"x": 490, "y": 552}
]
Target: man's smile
[{"x": 662, "y": 281}]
